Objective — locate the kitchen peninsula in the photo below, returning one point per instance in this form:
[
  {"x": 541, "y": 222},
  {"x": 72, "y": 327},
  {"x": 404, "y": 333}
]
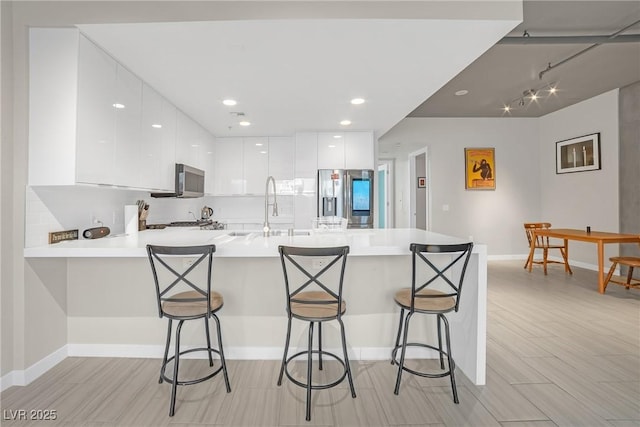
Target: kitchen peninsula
[{"x": 114, "y": 313}]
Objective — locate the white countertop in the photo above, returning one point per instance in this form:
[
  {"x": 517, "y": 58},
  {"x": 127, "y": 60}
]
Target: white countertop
[{"x": 369, "y": 242}]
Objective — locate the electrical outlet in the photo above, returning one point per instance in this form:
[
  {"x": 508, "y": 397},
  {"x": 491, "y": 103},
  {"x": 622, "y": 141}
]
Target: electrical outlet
[{"x": 318, "y": 263}]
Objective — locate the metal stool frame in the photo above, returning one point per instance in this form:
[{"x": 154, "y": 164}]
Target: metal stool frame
[
  {"x": 461, "y": 254},
  {"x": 288, "y": 255},
  {"x": 157, "y": 255}
]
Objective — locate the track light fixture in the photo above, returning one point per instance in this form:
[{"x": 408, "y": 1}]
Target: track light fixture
[{"x": 529, "y": 96}]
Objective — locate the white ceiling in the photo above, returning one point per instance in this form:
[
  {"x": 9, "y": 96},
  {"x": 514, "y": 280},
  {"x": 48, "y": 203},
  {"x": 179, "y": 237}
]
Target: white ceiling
[{"x": 300, "y": 74}]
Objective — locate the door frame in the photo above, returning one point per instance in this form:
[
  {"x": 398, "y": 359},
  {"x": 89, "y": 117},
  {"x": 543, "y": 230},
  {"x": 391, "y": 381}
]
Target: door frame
[
  {"x": 413, "y": 180},
  {"x": 389, "y": 165}
]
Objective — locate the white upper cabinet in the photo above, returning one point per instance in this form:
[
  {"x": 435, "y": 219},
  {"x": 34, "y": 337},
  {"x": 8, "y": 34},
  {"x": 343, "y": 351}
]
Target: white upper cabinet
[
  {"x": 228, "y": 164},
  {"x": 188, "y": 143},
  {"x": 281, "y": 162},
  {"x": 208, "y": 159},
  {"x": 128, "y": 135},
  {"x": 96, "y": 146},
  {"x": 359, "y": 150},
  {"x": 306, "y": 155},
  {"x": 157, "y": 148},
  {"x": 93, "y": 121},
  {"x": 255, "y": 164},
  {"x": 331, "y": 150}
]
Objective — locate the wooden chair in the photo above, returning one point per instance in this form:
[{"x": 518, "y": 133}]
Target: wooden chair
[
  {"x": 630, "y": 262},
  {"x": 541, "y": 242}
]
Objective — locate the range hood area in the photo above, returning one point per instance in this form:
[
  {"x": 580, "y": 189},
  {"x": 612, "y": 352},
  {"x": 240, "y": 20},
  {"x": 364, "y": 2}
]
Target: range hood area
[{"x": 189, "y": 183}]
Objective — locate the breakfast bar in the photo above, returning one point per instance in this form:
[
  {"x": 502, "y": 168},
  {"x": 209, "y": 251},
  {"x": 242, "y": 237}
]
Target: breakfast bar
[{"x": 114, "y": 314}]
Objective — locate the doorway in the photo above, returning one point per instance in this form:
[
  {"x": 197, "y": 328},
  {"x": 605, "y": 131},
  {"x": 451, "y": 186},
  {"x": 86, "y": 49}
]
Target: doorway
[
  {"x": 419, "y": 189},
  {"x": 385, "y": 193}
]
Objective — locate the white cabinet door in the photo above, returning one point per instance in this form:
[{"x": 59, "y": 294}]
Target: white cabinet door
[
  {"x": 281, "y": 162},
  {"x": 331, "y": 150},
  {"x": 256, "y": 164},
  {"x": 127, "y": 128},
  {"x": 95, "y": 153},
  {"x": 157, "y": 148},
  {"x": 188, "y": 142},
  {"x": 306, "y": 155},
  {"x": 208, "y": 158},
  {"x": 228, "y": 167},
  {"x": 358, "y": 150}
]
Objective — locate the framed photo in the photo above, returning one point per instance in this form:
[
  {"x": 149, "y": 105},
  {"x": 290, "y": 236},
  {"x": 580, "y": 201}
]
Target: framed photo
[
  {"x": 422, "y": 182},
  {"x": 578, "y": 154},
  {"x": 480, "y": 169}
]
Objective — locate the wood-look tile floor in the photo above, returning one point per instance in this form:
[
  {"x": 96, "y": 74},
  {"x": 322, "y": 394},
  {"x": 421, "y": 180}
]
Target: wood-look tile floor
[{"x": 558, "y": 354}]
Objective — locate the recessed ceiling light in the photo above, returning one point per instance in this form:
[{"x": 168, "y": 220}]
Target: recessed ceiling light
[
  {"x": 263, "y": 152},
  {"x": 118, "y": 106},
  {"x": 195, "y": 145},
  {"x": 506, "y": 108},
  {"x": 244, "y": 123},
  {"x": 337, "y": 136},
  {"x": 331, "y": 146},
  {"x": 553, "y": 89},
  {"x": 156, "y": 125},
  {"x": 462, "y": 92},
  {"x": 345, "y": 122},
  {"x": 357, "y": 101},
  {"x": 229, "y": 102},
  {"x": 258, "y": 144}
]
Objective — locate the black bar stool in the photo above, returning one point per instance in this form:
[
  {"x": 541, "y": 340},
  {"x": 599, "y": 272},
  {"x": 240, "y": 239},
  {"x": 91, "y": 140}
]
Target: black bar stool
[
  {"x": 420, "y": 298},
  {"x": 193, "y": 302},
  {"x": 322, "y": 304}
]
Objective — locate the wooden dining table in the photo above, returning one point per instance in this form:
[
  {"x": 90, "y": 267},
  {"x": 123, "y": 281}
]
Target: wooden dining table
[{"x": 598, "y": 237}]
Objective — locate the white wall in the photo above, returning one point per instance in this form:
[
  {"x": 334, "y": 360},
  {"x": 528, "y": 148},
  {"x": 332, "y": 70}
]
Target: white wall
[
  {"x": 491, "y": 217},
  {"x": 527, "y": 187},
  {"x": 575, "y": 200}
]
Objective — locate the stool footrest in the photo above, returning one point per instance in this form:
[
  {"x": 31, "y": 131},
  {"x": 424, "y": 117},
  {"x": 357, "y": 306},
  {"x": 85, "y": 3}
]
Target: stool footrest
[
  {"x": 316, "y": 386},
  {"x": 194, "y": 381},
  {"x": 419, "y": 373}
]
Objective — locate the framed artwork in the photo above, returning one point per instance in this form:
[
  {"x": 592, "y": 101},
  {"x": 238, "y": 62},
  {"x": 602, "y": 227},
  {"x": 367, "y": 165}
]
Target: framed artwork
[
  {"x": 578, "y": 154},
  {"x": 422, "y": 182},
  {"x": 480, "y": 168}
]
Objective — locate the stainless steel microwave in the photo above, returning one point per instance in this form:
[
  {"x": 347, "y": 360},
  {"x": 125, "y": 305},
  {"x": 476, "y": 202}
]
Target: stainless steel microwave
[{"x": 189, "y": 183}]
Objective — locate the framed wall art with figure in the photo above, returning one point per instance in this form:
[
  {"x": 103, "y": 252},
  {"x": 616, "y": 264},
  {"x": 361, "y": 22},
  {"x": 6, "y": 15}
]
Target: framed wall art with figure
[{"x": 480, "y": 168}]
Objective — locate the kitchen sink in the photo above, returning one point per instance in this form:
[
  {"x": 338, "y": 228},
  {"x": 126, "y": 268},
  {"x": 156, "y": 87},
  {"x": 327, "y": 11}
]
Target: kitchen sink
[
  {"x": 240, "y": 233},
  {"x": 286, "y": 233},
  {"x": 272, "y": 233}
]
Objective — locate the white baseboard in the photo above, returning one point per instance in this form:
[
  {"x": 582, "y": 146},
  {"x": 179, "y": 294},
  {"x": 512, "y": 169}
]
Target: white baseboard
[
  {"x": 573, "y": 263},
  {"x": 26, "y": 376}
]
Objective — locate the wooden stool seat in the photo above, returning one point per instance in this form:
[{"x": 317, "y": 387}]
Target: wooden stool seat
[{"x": 629, "y": 281}]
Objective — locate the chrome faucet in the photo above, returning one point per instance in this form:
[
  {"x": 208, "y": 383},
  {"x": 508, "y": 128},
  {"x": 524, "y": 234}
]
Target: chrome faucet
[{"x": 267, "y": 228}]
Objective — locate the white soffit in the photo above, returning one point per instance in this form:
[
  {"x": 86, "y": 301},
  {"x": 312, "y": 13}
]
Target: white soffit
[{"x": 298, "y": 75}]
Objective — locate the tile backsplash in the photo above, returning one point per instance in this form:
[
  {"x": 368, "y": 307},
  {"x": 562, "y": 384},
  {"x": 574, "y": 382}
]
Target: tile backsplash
[{"x": 56, "y": 208}]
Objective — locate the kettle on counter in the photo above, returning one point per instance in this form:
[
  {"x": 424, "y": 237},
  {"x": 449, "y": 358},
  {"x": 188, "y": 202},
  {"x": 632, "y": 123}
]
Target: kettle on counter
[{"x": 206, "y": 213}]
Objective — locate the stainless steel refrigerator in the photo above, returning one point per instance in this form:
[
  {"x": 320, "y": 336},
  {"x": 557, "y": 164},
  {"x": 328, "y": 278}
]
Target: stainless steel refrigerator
[{"x": 347, "y": 193}]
